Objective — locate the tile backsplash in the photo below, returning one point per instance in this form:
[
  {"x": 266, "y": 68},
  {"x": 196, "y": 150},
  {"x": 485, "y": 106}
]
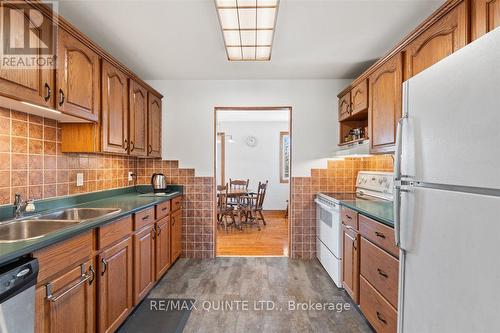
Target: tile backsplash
[{"x": 31, "y": 161}]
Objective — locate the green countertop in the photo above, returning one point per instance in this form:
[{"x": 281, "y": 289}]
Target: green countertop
[
  {"x": 381, "y": 211},
  {"x": 128, "y": 200}
]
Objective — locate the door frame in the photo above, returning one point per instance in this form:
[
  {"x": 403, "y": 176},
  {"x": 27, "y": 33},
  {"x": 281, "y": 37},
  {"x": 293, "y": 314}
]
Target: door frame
[
  {"x": 215, "y": 134},
  {"x": 222, "y": 137}
]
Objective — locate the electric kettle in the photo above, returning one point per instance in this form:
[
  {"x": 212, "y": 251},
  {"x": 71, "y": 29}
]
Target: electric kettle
[{"x": 159, "y": 182}]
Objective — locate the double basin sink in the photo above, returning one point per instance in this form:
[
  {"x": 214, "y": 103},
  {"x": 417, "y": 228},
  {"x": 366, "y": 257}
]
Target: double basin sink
[{"x": 38, "y": 226}]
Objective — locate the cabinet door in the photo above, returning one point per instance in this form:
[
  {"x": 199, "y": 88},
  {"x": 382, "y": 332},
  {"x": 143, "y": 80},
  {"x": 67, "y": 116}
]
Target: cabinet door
[
  {"x": 77, "y": 78},
  {"x": 359, "y": 97},
  {"x": 138, "y": 116},
  {"x": 344, "y": 106},
  {"x": 176, "y": 235},
  {"x": 384, "y": 105},
  {"x": 485, "y": 17},
  {"x": 67, "y": 302},
  {"x": 162, "y": 246},
  {"x": 33, "y": 84},
  {"x": 114, "y": 121},
  {"x": 154, "y": 126},
  {"x": 144, "y": 262},
  {"x": 115, "y": 285},
  {"x": 350, "y": 263},
  {"x": 440, "y": 40}
]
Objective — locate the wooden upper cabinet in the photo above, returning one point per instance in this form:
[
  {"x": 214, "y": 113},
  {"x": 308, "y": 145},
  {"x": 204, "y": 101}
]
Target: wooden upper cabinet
[
  {"x": 114, "y": 120},
  {"x": 34, "y": 84},
  {"x": 485, "y": 17},
  {"x": 441, "y": 39},
  {"x": 345, "y": 106},
  {"x": 359, "y": 98},
  {"x": 77, "y": 78},
  {"x": 154, "y": 125},
  {"x": 384, "y": 105},
  {"x": 138, "y": 115}
]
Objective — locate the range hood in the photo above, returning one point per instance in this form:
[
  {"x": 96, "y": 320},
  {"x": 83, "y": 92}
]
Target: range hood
[{"x": 355, "y": 149}]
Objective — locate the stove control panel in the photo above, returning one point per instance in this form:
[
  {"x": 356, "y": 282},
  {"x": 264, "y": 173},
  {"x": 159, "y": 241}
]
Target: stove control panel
[{"x": 373, "y": 183}]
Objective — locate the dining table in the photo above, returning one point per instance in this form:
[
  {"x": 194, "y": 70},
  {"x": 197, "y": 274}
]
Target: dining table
[{"x": 236, "y": 194}]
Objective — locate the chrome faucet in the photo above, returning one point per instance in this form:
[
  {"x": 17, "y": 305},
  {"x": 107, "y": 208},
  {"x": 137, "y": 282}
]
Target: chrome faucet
[{"x": 22, "y": 206}]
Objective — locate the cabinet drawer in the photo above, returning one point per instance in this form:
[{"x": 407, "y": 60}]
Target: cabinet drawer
[
  {"x": 381, "y": 270},
  {"x": 162, "y": 210},
  {"x": 114, "y": 231},
  {"x": 176, "y": 204},
  {"x": 60, "y": 256},
  {"x": 349, "y": 218},
  {"x": 376, "y": 309},
  {"x": 379, "y": 234},
  {"x": 144, "y": 217}
]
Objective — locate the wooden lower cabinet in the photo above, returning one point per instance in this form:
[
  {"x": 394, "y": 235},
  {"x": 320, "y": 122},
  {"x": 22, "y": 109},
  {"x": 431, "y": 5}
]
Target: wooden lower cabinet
[
  {"x": 176, "y": 235},
  {"x": 66, "y": 303},
  {"x": 379, "y": 312},
  {"x": 115, "y": 285},
  {"x": 350, "y": 263},
  {"x": 162, "y": 246},
  {"x": 144, "y": 262}
]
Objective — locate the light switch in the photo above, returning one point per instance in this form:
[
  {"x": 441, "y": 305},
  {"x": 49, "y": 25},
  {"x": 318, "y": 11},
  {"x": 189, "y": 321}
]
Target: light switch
[
  {"x": 130, "y": 173},
  {"x": 79, "y": 179}
]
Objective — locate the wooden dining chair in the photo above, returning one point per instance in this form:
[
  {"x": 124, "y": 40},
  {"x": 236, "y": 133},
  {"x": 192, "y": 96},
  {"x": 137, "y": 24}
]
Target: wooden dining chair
[
  {"x": 253, "y": 205},
  {"x": 223, "y": 207},
  {"x": 237, "y": 185}
]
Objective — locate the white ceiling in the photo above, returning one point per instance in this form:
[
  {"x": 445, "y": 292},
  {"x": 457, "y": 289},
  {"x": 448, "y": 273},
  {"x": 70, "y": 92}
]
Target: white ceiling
[
  {"x": 252, "y": 116},
  {"x": 181, "y": 39}
]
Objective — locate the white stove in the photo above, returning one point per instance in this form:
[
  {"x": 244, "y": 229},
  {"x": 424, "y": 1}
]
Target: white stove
[{"x": 370, "y": 185}]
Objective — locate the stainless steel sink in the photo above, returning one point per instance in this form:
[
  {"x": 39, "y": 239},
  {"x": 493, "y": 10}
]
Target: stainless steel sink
[
  {"x": 19, "y": 230},
  {"x": 78, "y": 215},
  {"x": 39, "y": 226}
]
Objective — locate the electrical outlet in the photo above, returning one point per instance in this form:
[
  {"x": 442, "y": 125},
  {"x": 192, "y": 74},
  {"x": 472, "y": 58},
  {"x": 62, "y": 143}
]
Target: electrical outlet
[
  {"x": 79, "y": 179},
  {"x": 130, "y": 178}
]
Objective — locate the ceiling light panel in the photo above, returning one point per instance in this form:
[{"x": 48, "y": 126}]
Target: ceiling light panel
[{"x": 248, "y": 28}]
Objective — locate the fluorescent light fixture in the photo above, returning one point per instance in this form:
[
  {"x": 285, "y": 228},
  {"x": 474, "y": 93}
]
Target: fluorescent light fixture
[
  {"x": 248, "y": 28},
  {"x": 41, "y": 107}
]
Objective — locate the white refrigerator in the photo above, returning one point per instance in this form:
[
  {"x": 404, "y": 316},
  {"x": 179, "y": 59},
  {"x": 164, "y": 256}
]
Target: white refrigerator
[{"x": 447, "y": 194}]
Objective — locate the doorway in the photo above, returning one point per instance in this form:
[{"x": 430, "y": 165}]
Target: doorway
[{"x": 253, "y": 164}]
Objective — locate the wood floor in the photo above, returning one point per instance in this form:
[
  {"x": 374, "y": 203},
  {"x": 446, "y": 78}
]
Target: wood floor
[{"x": 271, "y": 240}]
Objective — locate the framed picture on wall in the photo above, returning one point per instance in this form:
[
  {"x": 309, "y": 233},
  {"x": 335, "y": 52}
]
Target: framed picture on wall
[{"x": 284, "y": 157}]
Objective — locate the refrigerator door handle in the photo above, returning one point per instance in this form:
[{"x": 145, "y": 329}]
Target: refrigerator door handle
[{"x": 397, "y": 180}]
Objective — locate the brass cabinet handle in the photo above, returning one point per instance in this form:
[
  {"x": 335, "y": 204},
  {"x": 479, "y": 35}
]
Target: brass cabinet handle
[
  {"x": 145, "y": 218},
  {"x": 150, "y": 149},
  {"x": 382, "y": 273},
  {"x": 132, "y": 146},
  {"x": 173, "y": 220},
  {"x": 158, "y": 230},
  {"x": 379, "y": 234},
  {"x": 61, "y": 97},
  {"x": 49, "y": 92},
  {"x": 153, "y": 232},
  {"x": 104, "y": 266},
  {"x": 350, "y": 218},
  {"x": 380, "y": 318},
  {"x": 125, "y": 144}
]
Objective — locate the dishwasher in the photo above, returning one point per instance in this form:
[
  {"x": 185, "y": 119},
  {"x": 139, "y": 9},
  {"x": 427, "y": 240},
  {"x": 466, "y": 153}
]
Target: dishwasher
[{"x": 17, "y": 296}]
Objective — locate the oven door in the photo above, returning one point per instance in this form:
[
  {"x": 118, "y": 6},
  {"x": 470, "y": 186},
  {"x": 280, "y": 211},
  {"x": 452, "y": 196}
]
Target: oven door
[{"x": 328, "y": 227}]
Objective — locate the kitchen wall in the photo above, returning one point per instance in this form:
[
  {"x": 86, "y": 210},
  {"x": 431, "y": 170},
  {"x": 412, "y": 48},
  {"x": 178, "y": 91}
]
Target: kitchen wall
[
  {"x": 259, "y": 163},
  {"x": 32, "y": 164},
  {"x": 188, "y": 122}
]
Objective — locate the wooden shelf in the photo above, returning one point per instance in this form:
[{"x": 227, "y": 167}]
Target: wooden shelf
[{"x": 352, "y": 142}]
